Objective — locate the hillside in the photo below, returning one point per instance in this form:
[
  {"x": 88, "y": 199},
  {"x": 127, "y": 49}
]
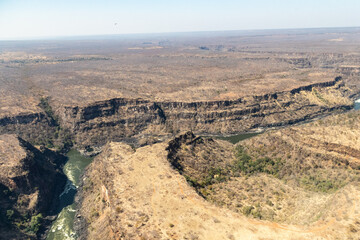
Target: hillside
[
  {"x": 292, "y": 183},
  {"x": 30, "y": 182}
]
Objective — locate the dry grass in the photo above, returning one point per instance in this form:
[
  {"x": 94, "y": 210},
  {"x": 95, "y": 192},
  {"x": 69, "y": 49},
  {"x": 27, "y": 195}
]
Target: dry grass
[
  {"x": 174, "y": 70},
  {"x": 149, "y": 199}
]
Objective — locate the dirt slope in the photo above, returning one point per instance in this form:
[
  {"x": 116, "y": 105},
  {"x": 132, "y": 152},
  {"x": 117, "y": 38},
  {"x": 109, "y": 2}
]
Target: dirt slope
[{"x": 138, "y": 195}]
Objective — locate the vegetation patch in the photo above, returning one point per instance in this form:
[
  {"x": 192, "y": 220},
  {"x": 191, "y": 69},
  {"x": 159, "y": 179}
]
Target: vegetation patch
[
  {"x": 35, "y": 224},
  {"x": 318, "y": 184},
  {"x": 62, "y": 138},
  {"x": 25, "y": 223},
  {"x": 319, "y": 96},
  {"x": 245, "y": 164}
]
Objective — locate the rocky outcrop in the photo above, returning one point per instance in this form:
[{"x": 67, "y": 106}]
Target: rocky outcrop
[
  {"x": 115, "y": 119},
  {"x": 311, "y": 86},
  {"x": 189, "y": 152},
  {"x": 30, "y": 182},
  {"x": 34, "y": 127},
  {"x": 126, "y": 119}
]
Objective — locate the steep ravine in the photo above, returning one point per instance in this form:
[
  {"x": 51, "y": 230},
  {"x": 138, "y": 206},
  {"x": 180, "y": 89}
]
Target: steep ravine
[
  {"x": 62, "y": 227},
  {"x": 30, "y": 182}
]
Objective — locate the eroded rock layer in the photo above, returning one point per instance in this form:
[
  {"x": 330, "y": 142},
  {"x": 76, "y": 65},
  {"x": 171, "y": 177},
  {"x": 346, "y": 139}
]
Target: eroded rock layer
[
  {"x": 35, "y": 127},
  {"x": 141, "y": 121},
  {"x": 121, "y": 119}
]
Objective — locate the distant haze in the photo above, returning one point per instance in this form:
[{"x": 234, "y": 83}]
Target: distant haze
[{"x": 27, "y": 19}]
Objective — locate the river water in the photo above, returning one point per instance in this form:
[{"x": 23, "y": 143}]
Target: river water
[
  {"x": 62, "y": 228},
  {"x": 357, "y": 104},
  {"x": 239, "y": 137}
]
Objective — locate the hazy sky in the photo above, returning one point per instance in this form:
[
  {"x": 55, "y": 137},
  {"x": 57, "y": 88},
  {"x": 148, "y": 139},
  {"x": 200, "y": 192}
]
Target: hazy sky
[{"x": 48, "y": 18}]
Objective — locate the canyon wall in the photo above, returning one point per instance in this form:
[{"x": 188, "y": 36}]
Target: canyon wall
[
  {"x": 138, "y": 120},
  {"x": 30, "y": 183},
  {"x": 126, "y": 119},
  {"x": 35, "y": 127}
]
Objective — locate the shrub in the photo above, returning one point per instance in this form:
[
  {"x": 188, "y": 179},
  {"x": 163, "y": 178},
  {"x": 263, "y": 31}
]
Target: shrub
[
  {"x": 192, "y": 182},
  {"x": 9, "y": 214},
  {"x": 247, "y": 210},
  {"x": 257, "y": 213},
  {"x": 215, "y": 175},
  {"x": 320, "y": 185},
  {"x": 270, "y": 203},
  {"x": 35, "y": 224}
]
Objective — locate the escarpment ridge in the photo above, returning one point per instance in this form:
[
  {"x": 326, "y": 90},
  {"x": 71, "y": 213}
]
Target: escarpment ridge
[
  {"x": 122, "y": 119},
  {"x": 134, "y": 119}
]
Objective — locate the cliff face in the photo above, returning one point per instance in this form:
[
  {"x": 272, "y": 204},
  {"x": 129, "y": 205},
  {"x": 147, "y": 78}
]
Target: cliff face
[
  {"x": 115, "y": 119},
  {"x": 34, "y": 127},
  {"x": 119, "y": 119},
  {"x": 136, "y": 120},
  {"x": 30, "y": 181}
]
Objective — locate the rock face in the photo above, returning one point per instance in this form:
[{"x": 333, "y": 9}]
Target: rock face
[
  {"x": 34, "y": 127},
  {"x": 30, "y": 182},
  {"x": 115, "y": 119},
  {"x": 137, "y": 120},
  {"x": 121, "y": 119}
]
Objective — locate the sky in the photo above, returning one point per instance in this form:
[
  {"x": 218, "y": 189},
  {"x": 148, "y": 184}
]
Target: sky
[{"x": 29, "y": 19}]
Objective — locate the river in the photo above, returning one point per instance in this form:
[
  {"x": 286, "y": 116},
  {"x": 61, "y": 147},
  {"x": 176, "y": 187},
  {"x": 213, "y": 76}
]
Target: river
[
  {"x": 239, "y": 137},
  {"x": 357, "y": 104},
  {"x": 62, "y": 228}
]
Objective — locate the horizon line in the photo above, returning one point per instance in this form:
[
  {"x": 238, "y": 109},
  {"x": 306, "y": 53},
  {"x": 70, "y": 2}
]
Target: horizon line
[{"x": 64, "y": 37}]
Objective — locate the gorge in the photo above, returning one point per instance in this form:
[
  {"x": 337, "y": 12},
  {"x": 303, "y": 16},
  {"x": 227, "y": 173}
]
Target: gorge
[{"x": 114, "y": 139}]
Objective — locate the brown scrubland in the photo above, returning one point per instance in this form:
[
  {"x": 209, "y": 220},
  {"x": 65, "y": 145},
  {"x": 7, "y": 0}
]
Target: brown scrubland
[{"x": 153, "y": 105}]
